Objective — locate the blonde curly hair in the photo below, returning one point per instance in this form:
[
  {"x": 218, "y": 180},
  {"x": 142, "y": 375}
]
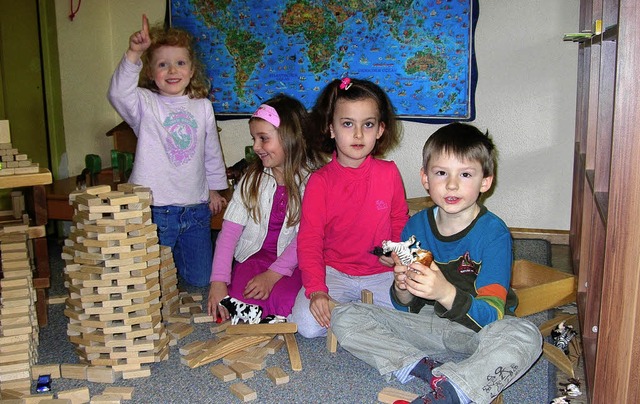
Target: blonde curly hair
[{"x": 199, "y": 85}]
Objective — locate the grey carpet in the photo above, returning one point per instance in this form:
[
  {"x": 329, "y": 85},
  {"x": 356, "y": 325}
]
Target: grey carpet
[{"x": 325, "y": 378}]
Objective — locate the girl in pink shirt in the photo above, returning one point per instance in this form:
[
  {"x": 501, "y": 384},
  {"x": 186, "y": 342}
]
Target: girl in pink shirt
[{"x": 350, "y": 205}]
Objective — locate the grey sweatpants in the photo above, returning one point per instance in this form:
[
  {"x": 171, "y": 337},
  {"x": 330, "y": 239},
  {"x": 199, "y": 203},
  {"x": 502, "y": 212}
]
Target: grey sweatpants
[{"x": 388, "y": 340}]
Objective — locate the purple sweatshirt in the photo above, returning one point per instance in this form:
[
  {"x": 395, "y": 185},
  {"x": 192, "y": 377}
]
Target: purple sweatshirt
[{"x": 178, "y": 154}]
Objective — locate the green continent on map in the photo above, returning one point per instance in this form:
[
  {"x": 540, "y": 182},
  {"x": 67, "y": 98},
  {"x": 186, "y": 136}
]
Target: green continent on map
[
  {"x": 319, "y": 28},
  {"x": 246, "y": 52},
  {"x": 425, "y": 61}
]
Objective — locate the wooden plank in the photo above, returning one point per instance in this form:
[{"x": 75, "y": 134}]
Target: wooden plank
[
  {"x": 556, "y": 356},
  {"x": 223, "y": 348},
  {"x": 255, "y": 329},
  {"x": 76, "y": 396},
  {"x": 43, "y": 177},
  {"x": 294, "y": 353},
  {"x": 277, "y": 375},
  {"x": 332, "y": 340},
  {"x": 223, "y": 372},
  {"x": 242, "y": 371},
  {"x": 125, "y": 393},
  {"x": 389, "y": 395},
  {"x": 366, "y": 296},
  {"x": 243, "y": 392}
]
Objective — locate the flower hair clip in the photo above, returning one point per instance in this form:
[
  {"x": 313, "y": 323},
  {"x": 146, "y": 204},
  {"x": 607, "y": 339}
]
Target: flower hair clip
[{"x": 345, "y": 83}]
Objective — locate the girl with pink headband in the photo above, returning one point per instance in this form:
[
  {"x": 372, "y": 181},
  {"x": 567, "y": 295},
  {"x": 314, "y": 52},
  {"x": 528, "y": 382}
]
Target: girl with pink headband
[{"x": 255, "y": 258}]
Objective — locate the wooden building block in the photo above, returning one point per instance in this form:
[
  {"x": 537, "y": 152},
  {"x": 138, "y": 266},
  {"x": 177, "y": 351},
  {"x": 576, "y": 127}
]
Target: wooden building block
[
  {"x": 37, "y": 398},
  {"x": 241, "y": 370},
  {"x": 76, "y": 396},
  {"x": 274, "y": 345},
  {"x": 8, "y": 394},
  {"x": 51, "y": 370},
  {"x": 135, "y": 374},
  {"x": 202, "y": 318},
  {"x": 389, "y": 395},
  {"x": 5, "y": 132},
  {"x": 192, "y": 347},
  {"x": 106, "y": 399},
  {"x": 366, "y": 296},
  {"x": 332, "y": 340},
  {"x": 223, "y": 348},
  {"x": 179, "y": 330},
  {"x": 277, "y": 328},
  {"x": 277, "y": 375},
  {"x": 125, "y": 393},
  {"x": 294, "y": 353},
  {"x": 223, "y": 372},
  {"x": 73, "y": 371},
  {"x": 219, "y": 327},
  {"x": 233, "y": 357},
  {"x": 101, "y": 374},
  {"x": 180, "y": 318},
  {"x": 243, "y": 392},
  {"x": 252, "y": 362}
]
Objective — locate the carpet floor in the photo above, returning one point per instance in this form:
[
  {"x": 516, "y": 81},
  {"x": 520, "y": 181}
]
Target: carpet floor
[{"x": 325, "y": 377}]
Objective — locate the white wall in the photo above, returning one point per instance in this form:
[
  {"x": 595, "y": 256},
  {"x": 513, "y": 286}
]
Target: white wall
[
  {"x": 89, "y": 48},
  {"x": 525, "y": 97}
]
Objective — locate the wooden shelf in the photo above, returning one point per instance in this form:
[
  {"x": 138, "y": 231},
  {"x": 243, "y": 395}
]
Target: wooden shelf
[
  {"x": 605, "y": 236},
  {"x": 26, "y": 180}
]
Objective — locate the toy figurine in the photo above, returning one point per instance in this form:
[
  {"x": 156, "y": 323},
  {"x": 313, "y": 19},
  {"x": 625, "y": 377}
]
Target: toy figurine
[
  {"x": 405, "y": 253},
  {"x": 251, "y": 313},
  {"x": 562, "y": 335}
]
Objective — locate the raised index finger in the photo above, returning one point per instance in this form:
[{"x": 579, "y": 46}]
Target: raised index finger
[{"x": 145, "y": 25}]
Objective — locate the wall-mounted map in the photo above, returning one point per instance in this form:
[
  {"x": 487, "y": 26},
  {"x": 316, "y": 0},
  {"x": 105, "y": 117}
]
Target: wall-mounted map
[{"x": 420, "y": 52}]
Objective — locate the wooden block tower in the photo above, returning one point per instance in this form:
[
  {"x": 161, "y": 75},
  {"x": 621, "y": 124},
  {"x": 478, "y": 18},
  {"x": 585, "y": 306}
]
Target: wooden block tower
[
  {"x": 112, "y": 273},
  {"x": 168, "y": 283},
  {"x": 18, "y": 319},
  {"x": 11, "y": 160}
]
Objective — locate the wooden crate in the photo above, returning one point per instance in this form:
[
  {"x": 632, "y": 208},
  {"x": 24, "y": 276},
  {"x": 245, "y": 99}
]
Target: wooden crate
[{"x": 540, "y": 287}]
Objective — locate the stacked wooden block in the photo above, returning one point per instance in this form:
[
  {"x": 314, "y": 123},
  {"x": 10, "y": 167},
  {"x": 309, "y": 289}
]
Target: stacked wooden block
[
  {"x": 18, "y": 319},
  {"x": 168, "y": 283},
  {"x": 12, "y": 161},
  {"x": 112, "y": 273}
]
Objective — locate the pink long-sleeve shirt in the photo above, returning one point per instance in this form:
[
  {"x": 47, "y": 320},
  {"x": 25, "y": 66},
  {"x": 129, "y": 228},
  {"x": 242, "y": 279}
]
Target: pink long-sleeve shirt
[{"x": 346, "y": 213}]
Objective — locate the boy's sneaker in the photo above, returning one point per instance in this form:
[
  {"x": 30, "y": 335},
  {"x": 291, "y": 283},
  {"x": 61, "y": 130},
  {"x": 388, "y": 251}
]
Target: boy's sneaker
[
  {"x": 443, "y": 392},
  {"x": 424, "y": 368}
]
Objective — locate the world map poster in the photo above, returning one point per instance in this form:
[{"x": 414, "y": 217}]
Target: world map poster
[{"x": 420, "y": 52}]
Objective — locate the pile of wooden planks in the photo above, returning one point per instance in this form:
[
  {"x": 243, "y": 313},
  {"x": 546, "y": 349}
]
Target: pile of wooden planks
[
  {"x": 18, "y": 319},
  {"x": 112, "y": 272},
  {"x": 243, "y": 350}
]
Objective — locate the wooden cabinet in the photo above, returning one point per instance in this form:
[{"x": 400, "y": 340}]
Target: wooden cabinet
[{"x": 605, "y": 217}]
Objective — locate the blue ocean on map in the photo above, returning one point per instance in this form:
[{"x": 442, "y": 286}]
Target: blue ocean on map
[{"x": 419, "y": 52}]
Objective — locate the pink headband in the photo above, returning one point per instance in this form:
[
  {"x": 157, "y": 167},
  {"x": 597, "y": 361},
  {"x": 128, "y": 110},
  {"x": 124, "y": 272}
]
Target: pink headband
[{"x": 268, "y": 113}]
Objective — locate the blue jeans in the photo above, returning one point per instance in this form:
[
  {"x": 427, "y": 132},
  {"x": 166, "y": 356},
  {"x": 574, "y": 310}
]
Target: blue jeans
[
  {"x": 187, "y": 230},
  {"x": 487, "y": 361}
]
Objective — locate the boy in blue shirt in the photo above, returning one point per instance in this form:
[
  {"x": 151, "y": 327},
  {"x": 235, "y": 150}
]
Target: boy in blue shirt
[{"x": 462, "y": 305}]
